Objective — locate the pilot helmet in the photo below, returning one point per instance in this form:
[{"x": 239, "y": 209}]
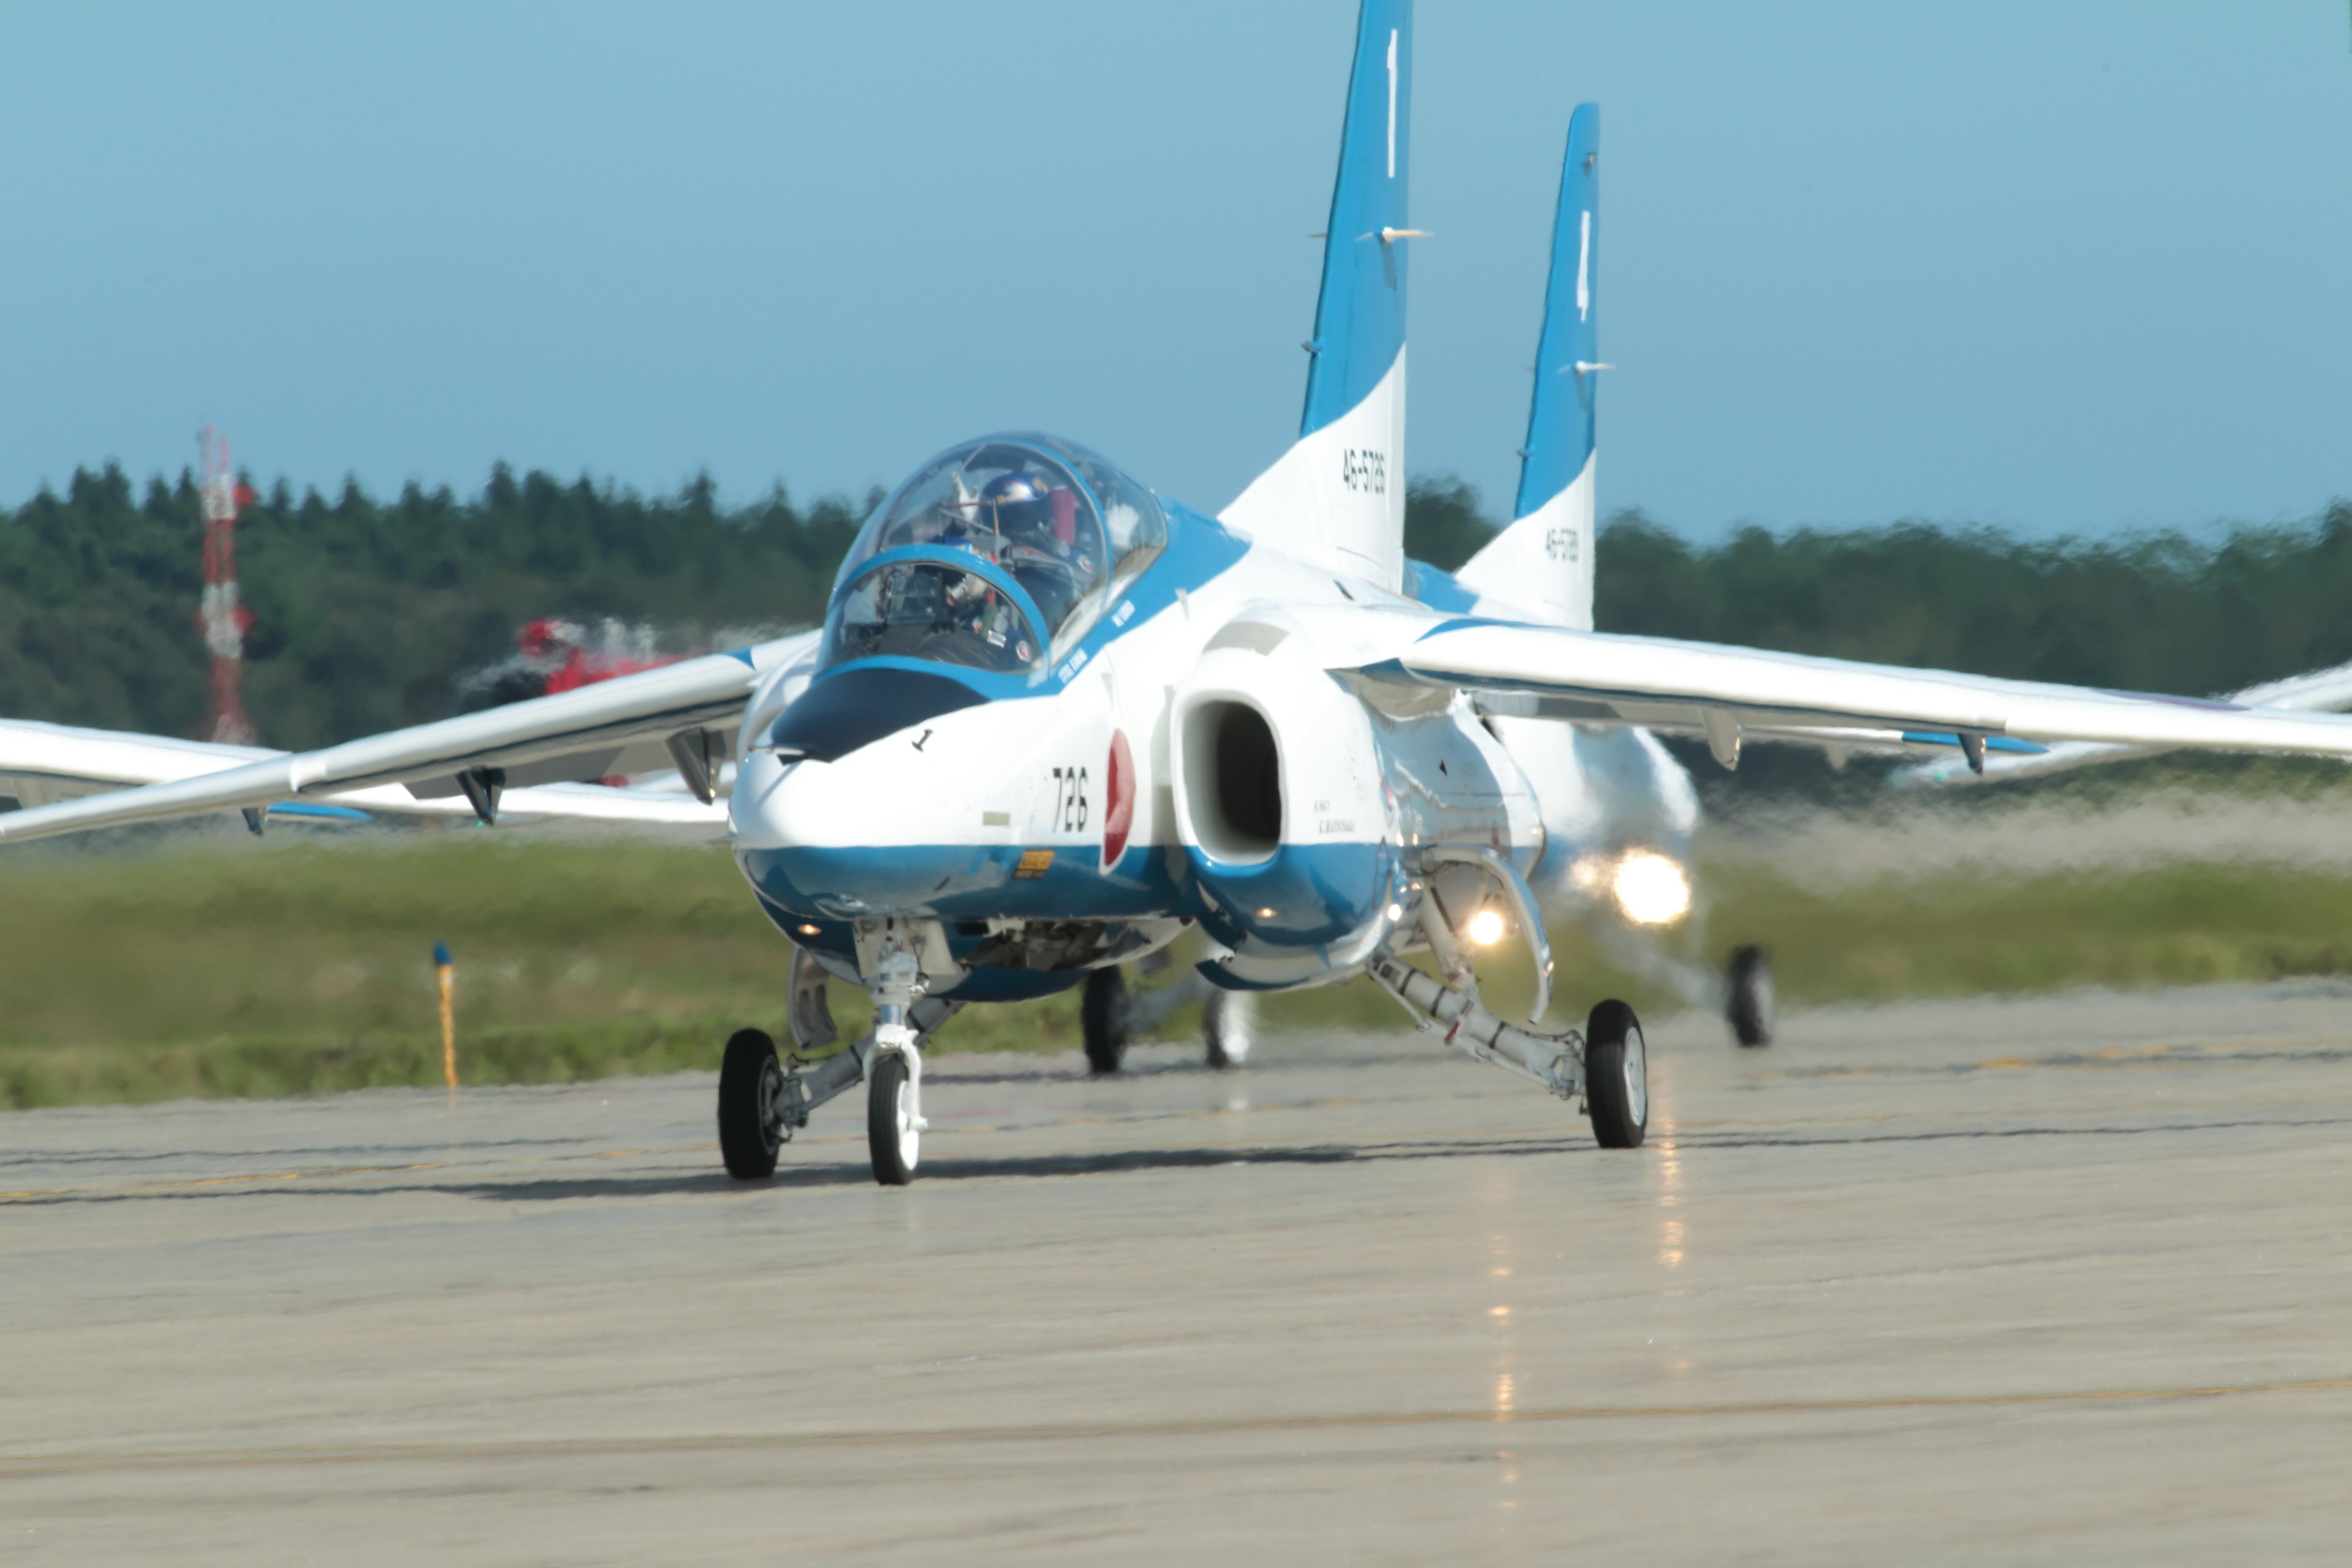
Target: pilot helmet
[{"x": 1019, "y": 506}]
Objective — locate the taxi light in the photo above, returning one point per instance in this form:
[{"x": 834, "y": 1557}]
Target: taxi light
[
  {"x": 807, "y": 929},
  {"x": 1486, "y": 928},
  {"x": 1651, "y": 889}
]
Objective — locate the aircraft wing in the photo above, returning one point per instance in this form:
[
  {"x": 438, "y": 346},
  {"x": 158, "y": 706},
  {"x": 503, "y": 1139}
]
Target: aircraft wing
[
  {"x": 1721, "y": 692},
  {"x": 2322, "y": 691},
  {"x": 590, "y": 732},
  {"x": 41, "y": 764}
]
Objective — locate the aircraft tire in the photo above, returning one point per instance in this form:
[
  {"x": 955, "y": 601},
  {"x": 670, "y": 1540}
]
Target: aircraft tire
[
  {"x": 1616, "y": 1077},
  {"x": 1224, "y": 1028},
  {"x": 1752, "y": 1006},
  {"x": 750, "y": 1080},
  {"x": 894, "y": 1144},
  {"x": 1106, "y": 1017}
]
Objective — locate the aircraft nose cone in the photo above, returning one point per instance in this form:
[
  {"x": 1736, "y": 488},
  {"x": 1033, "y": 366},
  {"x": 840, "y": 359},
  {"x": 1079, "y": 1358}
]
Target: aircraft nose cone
[
  {"x": 841, "y": 713},
  {"x": 849, "y": 838}
]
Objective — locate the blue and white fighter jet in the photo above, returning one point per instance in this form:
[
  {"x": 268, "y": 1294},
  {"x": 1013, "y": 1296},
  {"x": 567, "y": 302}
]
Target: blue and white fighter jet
[{"x": 1054, "y": 719}]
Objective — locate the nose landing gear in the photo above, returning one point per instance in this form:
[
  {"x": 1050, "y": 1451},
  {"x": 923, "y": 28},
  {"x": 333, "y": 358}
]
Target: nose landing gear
[{"x": 762, "y": 1100}]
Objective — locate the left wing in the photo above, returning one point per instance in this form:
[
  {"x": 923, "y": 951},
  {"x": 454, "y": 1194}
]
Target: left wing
[
  {"x": 2320, "y": 692},
  {"x": 1722, "y": 691},
  {"x": 681, "y": 712}
]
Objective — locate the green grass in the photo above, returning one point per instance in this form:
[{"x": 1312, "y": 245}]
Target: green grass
[{"x": 217, "y": 967}]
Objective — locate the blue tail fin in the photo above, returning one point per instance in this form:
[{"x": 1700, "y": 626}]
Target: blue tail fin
[
  {"x": 1544, "y": 558},
  {"x": 1359, "y": 316},
  {"x": 1337, "y": 497}
]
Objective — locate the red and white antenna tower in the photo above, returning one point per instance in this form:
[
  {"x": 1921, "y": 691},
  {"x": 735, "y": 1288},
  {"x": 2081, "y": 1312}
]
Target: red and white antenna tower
[{"x": 219, "y": 616}]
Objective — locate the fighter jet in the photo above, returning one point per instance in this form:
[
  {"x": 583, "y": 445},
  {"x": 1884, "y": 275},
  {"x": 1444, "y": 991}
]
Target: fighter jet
[{"x": 1054, "y": 719}]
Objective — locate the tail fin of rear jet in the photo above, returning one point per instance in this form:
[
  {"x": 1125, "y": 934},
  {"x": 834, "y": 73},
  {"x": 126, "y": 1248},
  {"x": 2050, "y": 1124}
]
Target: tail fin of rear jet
[
  {"x": 1337, "y": 497},
  {"x": 1544, "y": 558}
]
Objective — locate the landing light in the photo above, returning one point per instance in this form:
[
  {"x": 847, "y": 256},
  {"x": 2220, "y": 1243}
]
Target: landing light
[
  {"x": 1396, "y": 913},
  {"x": 808, "y": 930},
  {"x": 1266, "y": 914},
  {"x": 1486, "y": 928},
  {"x": 1651, "y": 889}
]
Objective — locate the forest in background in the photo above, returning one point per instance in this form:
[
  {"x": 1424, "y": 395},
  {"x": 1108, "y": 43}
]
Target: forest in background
[{"x": 370, "y": 613}]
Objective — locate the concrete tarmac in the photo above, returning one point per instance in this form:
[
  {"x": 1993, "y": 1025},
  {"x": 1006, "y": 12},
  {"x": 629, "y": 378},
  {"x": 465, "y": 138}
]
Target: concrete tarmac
[{"x": 2063, "y": 1281}]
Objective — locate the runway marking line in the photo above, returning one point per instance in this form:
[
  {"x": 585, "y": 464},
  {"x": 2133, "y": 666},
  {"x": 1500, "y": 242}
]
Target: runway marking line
[
  {"x": 220, "y": 1181},
  {"x": 29, "y": 1193},
  {"x": 64, "y": 1462}
]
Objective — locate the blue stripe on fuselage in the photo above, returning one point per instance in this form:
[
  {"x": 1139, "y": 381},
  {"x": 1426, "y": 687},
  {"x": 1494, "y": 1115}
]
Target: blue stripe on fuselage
[{"x": 961, "y": 882}]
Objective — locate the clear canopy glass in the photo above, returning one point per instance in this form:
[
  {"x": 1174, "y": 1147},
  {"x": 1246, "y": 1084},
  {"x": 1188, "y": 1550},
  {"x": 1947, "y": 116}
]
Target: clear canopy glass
[{"x": 1063, "y": 522}]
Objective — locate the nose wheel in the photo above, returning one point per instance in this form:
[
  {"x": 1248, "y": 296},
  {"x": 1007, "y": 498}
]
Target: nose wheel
[{"x": 894, "y": 1121}]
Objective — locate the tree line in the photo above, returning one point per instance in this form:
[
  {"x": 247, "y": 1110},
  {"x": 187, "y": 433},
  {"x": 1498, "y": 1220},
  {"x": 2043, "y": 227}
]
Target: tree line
[{"x": 372, "y": 613}]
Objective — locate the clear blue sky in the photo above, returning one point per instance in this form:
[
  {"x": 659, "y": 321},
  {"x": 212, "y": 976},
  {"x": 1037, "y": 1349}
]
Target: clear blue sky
[{"x": 2062, "y": 268}]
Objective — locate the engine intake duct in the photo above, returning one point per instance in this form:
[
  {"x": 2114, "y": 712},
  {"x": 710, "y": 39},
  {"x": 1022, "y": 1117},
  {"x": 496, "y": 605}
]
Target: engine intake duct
[{"x": 1232, "y": 767}]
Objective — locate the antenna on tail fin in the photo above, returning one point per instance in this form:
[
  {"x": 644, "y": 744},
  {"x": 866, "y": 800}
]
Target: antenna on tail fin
[
  {"x": 1544, "y": 558},
  {"x": 1337, "y": 497}
]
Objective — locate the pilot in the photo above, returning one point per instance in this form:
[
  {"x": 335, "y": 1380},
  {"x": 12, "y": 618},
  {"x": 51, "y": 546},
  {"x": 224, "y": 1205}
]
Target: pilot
[{"x": 1038, "y": 527}]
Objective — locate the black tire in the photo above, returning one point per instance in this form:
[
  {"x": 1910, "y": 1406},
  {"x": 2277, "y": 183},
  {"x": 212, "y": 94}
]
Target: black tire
[
  {"x": 894, "y": 1159},
  {"x": 1616, "y": 1077},
  {"x": 1751, "y": 1005},
  {"x": 750, "y": 1084},
  {"x": 1105, "y": 1014}
]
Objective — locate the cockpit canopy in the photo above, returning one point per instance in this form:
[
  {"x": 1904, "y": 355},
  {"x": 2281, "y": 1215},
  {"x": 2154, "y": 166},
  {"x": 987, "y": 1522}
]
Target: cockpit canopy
[{"x": 1062, "y": 524}]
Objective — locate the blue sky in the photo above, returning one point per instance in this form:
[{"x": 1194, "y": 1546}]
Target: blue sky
[{"x": 2064, "y": 269}]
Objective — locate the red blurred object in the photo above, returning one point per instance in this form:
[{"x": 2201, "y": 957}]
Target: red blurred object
[
  {"x": 222, "y": 620},
  {"x": 569, "y": 656}
]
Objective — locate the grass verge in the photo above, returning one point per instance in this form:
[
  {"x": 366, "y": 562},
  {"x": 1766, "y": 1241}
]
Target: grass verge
[{"x": 201, "y": 967}]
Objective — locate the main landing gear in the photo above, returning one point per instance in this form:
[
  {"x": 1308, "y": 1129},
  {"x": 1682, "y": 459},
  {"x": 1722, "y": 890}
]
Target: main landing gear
[
  {"x": 1606, "y": 1065},
  {"x": 1749, "y": 1003},
  {"x": 1105, "y": 1019},
  {"x": 1225, "y": 1017}
]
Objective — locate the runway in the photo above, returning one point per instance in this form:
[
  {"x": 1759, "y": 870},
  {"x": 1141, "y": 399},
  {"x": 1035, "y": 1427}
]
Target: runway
[{"x": 2056, "y": 1282}]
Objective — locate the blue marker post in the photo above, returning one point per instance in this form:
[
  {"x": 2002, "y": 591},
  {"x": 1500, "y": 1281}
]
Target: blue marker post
[{"x": 448, "y": 973}]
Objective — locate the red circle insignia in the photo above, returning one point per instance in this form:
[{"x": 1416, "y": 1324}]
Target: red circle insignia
[{"x": 1118, "y": 813}]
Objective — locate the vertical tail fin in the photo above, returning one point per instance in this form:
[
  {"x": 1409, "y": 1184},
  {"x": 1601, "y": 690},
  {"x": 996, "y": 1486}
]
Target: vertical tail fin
[
  {"x": 1544, "y": 558},
  {"x": 1337, "y": 497}
]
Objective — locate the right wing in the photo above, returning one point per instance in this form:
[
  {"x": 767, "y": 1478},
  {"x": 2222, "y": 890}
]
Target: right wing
[
  {"x": 628, "y": 724},
  {"x": 41, "y": 764}
]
